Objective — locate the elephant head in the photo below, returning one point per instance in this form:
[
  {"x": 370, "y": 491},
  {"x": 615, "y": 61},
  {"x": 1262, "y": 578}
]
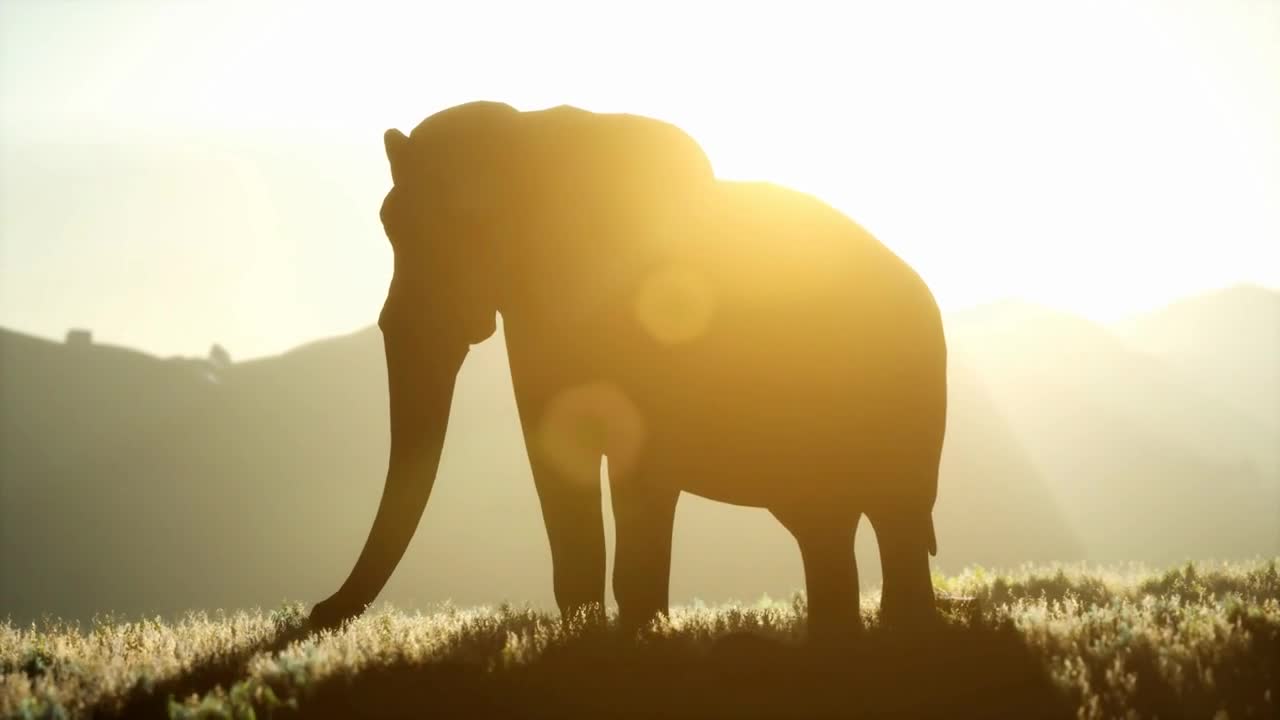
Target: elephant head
[{"x": 470, "y": 185}]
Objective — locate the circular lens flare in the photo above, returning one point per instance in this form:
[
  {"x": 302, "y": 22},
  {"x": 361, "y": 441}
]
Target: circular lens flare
[
  {"x": 585, "y": 422},
  {"x": 675, "y": 305}
]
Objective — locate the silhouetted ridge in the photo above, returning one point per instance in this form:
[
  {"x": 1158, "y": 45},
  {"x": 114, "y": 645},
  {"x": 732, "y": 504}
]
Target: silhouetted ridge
[{"x": 240, "y": 492}]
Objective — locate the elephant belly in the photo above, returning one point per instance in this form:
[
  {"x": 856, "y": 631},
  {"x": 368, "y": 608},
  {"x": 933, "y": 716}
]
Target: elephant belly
[{"x": 772, "y": 434}]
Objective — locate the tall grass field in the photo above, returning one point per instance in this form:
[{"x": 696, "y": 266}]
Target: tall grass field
[{"x": 1197, "y": 641}]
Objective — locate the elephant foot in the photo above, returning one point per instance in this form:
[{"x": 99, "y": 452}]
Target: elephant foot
[
  {"x": 632, "y": 623},
  {"x": 332, "y": 612}
]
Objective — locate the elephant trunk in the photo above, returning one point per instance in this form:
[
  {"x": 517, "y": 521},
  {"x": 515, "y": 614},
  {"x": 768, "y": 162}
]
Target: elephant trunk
[{"x": 420, "y": 380}]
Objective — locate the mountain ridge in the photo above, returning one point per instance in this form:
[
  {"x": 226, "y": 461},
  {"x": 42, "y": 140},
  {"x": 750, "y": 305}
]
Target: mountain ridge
[{"x": 244, "y": 482}]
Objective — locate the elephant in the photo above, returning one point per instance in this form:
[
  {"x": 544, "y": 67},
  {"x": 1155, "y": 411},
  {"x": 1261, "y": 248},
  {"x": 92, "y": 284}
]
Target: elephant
[{"x": 741, "y": 341}]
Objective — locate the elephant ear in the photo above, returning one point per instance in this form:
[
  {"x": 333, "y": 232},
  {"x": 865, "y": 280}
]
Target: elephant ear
[{"x": 397, "y": 144}]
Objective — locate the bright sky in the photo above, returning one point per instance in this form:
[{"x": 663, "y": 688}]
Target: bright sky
[{"x": 1100, "y": 157}]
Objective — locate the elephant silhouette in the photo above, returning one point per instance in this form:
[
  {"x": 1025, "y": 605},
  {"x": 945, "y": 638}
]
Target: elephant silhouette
[{"x": 741, "y": 341}]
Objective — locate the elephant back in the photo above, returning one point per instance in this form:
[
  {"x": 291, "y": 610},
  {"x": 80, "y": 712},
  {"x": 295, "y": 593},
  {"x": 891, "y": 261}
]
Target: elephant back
[{"x": 618, "y": 163}]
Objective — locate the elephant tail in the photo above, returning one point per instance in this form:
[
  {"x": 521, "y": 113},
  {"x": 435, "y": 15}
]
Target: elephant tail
[{"x": 933, "y": 538}]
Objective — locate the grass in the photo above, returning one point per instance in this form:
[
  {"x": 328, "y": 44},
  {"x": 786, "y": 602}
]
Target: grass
[{"x": 1195, "y": 641}]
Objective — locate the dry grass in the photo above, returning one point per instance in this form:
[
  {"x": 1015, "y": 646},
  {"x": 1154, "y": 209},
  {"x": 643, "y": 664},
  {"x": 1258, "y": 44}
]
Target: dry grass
[{"x": 1197, "y": 641}]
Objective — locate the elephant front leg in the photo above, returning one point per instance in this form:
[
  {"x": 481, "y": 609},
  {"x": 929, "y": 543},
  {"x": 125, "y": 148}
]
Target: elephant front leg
[
  {"x": 572, "y": 513},
  {"x": 565, "y": 457},
  {"x": 906, "y": 539},
  {"x": 644, "y": 518}
]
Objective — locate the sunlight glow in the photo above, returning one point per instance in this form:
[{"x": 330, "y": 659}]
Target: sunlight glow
[{"x": 1099, "y": 157}]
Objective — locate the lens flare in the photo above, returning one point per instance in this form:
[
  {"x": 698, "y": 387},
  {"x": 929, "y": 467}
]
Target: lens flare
[
  {"x": 675, "y": 305},
  {"x": 587, "y": 421}
]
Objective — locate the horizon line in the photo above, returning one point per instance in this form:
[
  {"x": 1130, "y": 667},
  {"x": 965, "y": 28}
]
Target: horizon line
[{"x": 951, "y": 312}]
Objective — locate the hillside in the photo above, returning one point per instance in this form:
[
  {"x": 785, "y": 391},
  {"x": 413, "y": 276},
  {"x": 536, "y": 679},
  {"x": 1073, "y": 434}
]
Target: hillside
[
  {"x": 1227, "y": 342},
  {"x": 148, "y": 485},
  {"x": 1196, "y": 641},
  {"x": 164, "y": 485},
  {"x": 1135, "y": 452}
]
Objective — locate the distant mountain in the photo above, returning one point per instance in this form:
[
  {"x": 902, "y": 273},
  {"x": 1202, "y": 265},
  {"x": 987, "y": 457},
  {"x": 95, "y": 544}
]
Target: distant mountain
[
  {"x": 1146, "y": 462},
  {"x": 995, "y": 506},
  {"x": 150, "y": 485},
  {"x": 147, "y": 485},
  {"x": 1227, "y": 342},
  {"x": 141, "y": 484}
]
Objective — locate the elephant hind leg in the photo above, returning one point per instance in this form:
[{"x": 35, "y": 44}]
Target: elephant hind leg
[
  {"x": 906, "y": 540},
  {"x": 830, "y": 572},
  {"x": 644, "y": 519}
]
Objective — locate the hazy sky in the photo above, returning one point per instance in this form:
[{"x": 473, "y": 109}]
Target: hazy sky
[{"x": 178, "y": 173}]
